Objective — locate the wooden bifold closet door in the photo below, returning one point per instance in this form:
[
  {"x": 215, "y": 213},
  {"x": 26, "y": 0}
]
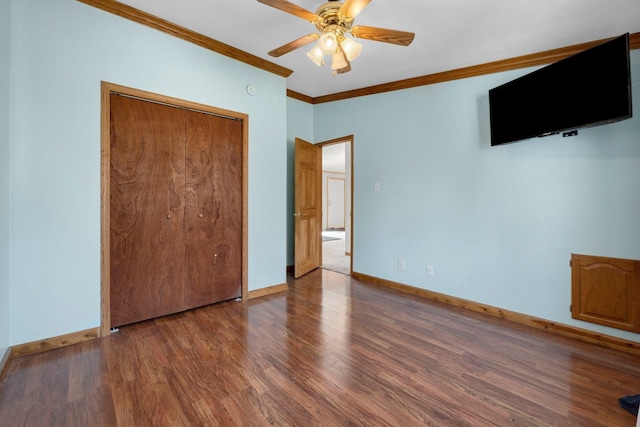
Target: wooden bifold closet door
[{"x": 175, "y": 209}]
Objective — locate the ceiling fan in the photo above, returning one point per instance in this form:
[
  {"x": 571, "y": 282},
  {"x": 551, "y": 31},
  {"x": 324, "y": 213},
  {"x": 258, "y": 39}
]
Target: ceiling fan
[{"x": 334, "y": 21}]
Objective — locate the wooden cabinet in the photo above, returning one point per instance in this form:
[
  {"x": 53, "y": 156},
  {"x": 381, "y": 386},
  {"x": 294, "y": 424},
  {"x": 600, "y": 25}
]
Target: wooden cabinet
[
  {"x": 175, "y": 209},
  {"x": 606, "y": 291}
]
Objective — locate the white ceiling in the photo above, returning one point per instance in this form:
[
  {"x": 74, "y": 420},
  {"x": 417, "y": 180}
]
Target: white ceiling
[{"x": 450, "y": 34}]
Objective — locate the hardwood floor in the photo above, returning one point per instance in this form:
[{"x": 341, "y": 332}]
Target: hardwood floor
[{"x": 331, "y": 351}]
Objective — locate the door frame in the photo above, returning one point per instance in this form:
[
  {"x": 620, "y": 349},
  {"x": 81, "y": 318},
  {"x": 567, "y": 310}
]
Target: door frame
[
  {"x": 348, "y": 139},
  {"x": 105, "y": 179}
]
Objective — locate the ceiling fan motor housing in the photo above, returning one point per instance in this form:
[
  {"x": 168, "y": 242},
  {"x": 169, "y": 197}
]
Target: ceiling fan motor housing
[{"x": 330, "y": 18}]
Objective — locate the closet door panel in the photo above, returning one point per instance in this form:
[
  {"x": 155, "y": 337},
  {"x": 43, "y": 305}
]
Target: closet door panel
[
  {"x": 228, "y": 204},
  {"x": 213, "y": 214},
  {"x": 147, "y": 210}
]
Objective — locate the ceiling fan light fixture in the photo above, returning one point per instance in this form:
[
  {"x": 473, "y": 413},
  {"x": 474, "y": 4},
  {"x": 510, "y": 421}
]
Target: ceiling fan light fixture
[
  {"x": 316, "y": 55},
  {"x": 338, "y": 61},
  {"x": 334, "y": 20},
  {"x": 351, "y": 48},
  {"x": 328, "y": 42}
]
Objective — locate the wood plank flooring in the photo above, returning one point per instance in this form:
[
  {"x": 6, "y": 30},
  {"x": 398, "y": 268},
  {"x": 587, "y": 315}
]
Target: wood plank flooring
[{"x": 332, "y": 351}]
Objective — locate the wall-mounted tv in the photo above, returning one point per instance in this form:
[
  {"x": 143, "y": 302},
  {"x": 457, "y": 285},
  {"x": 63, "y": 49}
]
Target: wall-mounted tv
[{"x": 590, "y": 88}]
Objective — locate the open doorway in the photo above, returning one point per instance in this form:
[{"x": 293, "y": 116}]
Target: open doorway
[{"x": 336, "y": 204}]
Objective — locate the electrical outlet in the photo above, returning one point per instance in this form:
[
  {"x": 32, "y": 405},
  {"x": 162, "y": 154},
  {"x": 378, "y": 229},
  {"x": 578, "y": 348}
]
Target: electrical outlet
[
  {"x": 400, "y": 264},
  {"x": 430, "y": 270}
]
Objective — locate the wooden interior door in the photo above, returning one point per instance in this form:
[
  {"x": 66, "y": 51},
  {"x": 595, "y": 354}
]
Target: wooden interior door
[
  {"x": 307, "y": 207},
  {"x": 146, "y": 210},
  {"x": 213, "y": 213}
]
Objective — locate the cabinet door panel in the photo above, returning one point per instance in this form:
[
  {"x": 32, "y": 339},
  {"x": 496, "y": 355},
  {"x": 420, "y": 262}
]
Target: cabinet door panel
[
  {"x": 213, "y": 213},
  {"x": 606, "y": 291},
  {"x": 147, "y": 209}
]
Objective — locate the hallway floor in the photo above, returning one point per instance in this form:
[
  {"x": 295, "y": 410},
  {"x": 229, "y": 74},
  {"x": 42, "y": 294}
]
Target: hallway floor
[{"x": 333, "y": 252}]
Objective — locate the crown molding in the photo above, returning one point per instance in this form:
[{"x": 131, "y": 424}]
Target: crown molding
[
  {"x": 540, "y": 58},
  {"x": 531, "y": 60},
  {"x": 136, "y": 15},
  {"x": 299, "y": 96}
]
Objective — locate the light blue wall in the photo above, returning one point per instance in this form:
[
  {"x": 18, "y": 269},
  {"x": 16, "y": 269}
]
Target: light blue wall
[
  {"x": 61, "y": 51},
  {"x": 299, "y": 125},
  {"x": 498, "y": 224},
  {"x": 5, "y": 34}
]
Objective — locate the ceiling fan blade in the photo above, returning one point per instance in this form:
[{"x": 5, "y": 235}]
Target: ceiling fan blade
[
  {"x": 302, "y": 41},
  {"x": 403, "y": 38},
  {"x": 291, "y": 8},
  {"x": 351, "y": 8}
]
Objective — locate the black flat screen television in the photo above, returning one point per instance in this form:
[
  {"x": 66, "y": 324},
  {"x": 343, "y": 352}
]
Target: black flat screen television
[{"x": 590, "y": 88}]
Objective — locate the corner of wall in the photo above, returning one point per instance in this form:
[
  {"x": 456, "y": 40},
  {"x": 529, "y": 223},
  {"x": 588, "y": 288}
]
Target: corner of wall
[{"x": 5, "y": 52}]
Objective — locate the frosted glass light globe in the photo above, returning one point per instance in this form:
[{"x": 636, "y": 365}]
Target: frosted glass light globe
[{"x": 328, "y": 43}]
